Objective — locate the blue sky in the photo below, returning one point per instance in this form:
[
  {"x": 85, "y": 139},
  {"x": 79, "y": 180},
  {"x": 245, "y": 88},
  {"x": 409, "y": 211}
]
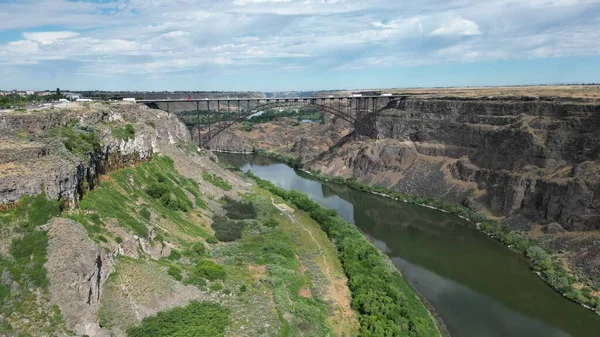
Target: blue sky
[{"x": 272, "y": 45}]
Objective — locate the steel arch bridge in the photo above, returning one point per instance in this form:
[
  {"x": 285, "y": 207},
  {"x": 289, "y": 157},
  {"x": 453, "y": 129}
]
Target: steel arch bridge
[{"x": 359, "y": 111}]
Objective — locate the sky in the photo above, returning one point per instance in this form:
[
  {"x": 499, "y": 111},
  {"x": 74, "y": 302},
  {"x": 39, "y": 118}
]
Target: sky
[{"x": 280, "y": 45}]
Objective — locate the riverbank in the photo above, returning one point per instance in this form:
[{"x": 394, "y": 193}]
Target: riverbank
[
  {"x": 571, "y": 285},
  {"x": 386, "y": 303}
]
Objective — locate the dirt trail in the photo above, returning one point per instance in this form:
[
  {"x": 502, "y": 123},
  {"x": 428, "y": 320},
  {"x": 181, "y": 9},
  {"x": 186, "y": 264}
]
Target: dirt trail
[{"x": 283, "y": 210}]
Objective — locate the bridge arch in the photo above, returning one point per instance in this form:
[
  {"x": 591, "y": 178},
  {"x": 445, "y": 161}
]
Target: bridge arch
[
  {"x": 359, "y": 111},
  {"x": 359, "y": 122}
]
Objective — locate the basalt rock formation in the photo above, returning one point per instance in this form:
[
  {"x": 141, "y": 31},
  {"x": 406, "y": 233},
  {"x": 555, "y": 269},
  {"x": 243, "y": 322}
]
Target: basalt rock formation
[{"x": 535, "y": 159}]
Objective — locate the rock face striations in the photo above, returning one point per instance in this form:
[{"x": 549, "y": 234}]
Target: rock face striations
[{"x": 535, "y": 159}]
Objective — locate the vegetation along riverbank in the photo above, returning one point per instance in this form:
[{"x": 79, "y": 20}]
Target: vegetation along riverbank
[
  {"x": 569, "y": 283},
  {"x": 385, "y": 302}
]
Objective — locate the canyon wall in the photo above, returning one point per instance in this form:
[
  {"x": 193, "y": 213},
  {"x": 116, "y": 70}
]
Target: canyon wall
[{"x": 529, "y": 160}]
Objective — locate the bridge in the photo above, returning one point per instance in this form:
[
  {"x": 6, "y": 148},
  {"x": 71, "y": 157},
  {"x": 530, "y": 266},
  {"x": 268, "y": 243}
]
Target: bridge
[{"x": 222, "y": 113}]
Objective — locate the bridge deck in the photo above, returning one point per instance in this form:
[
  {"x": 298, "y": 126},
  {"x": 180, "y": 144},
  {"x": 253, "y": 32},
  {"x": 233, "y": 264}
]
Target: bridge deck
[{"x": 257, "y": 99}]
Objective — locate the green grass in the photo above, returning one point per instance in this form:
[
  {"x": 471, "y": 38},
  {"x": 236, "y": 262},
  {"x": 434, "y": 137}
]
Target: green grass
[
  {"x": 34, "y": 211},
  {"x": 29, "y": 254},
  {"x": 123, "y": 132},
  {"x": 77, "y": 139},
  {"x": 275, "y": 249},
  {"x": 27, "y": 295},
  {"x": 216, "y": 181},
  {"x": 116, "y": 198}
]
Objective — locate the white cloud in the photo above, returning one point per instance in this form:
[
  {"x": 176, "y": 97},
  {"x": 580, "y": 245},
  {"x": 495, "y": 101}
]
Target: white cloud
[
  {"x": 160, "y": 36},
  {"x": 48, "y": 37},
  {"x": 458, "y": 26}
]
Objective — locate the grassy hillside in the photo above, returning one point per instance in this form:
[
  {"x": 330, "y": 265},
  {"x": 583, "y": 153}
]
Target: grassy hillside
[{"x": 238, "y": 267}]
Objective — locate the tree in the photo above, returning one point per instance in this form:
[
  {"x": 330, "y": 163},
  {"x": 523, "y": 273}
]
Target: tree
[{"x": 58, "y": 94}]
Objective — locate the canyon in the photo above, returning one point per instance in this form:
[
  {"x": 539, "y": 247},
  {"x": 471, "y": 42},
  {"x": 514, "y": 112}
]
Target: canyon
[{"x": 532, "y": 162}]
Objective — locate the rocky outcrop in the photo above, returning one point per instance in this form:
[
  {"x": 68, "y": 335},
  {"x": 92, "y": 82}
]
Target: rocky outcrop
[
  {"x": 38, "y": 163},
  {"x": 77, "y": 269},
  {"x": 531, "y": 158}
]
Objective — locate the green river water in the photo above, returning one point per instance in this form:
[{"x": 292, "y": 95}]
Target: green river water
[{"x": 477, "y": 286}]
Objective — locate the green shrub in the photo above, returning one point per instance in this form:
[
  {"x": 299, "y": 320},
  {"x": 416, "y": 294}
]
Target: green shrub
[
  {"x": 197, "y": 320},
  {"x": 227, "y": 230},
  {"x": 212, "y": 239},
  {"x": 78, "y": 140},
  {"x": 130, "y": 130},
  {"x": 175, "y": 273},
  {"x": 272, "y": 223},
  {"x": 145, "y": 213},
  {"x": 209, "y": 270},
  {"x": 243, "y": 288},
  {"x": 124, "y": 133},
  {"x": 157, "y": 190},
  {"x": 239, "y": 209},
  {"x": 170, "y": 201},
  {"x": 175, "y": 255},
  {"x": 118, "y": 240},
  {"x": 199, "y": 248},
  {"x": 161, "y": 178},
  {"x": 294, "y": 162}
]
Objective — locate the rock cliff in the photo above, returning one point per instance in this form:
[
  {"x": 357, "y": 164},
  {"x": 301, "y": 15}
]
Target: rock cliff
[
  {"x": 32, "y": 159},
  {"x": 533, "y": 158}
]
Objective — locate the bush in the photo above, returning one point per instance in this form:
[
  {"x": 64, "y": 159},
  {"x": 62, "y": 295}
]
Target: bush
[
  {"x": 271, "y": 223},
  {"x": 199, "y": 248},
  {"x": 243, "y": 288},
  {"x": 78, "y": 140},
  {"x": 170, "y": 201},
  {"x": 196, "y": 280},
  {"x": 124, "y": 133},
  {"x": 175, "y": 273},
  {"x": 227, "y": 230},
  {"x": 209, "y": 270},
  {"x": 145, "y": 213},
  {"x": 130, "y": 131},
  {"x": 175, "y": 255},
  {"x": 239, "y": 209},
  {"x": 157, "y": 190},
  {"x": 197, "y": 319},
  {"x": 212, "y": 240}
]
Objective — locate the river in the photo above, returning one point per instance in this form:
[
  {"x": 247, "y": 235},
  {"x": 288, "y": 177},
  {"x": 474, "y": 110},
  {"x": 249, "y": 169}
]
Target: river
[{"x": 478, "y": 287}]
